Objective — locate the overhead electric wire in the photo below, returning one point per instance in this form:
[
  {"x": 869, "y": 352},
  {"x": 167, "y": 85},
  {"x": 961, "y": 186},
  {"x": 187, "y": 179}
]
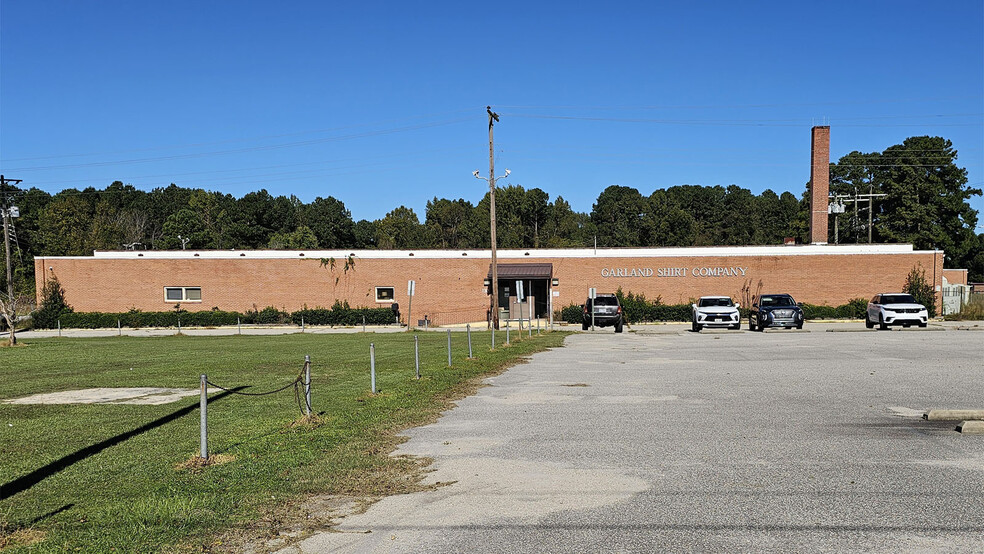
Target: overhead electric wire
[
  {"x": 266, "y": 167},
  {"x": 729, "y": 122},
  {"x": 742, "y": 106},
  {"x": 243, "y": 150},
  {"x": 238, "y": 139}
]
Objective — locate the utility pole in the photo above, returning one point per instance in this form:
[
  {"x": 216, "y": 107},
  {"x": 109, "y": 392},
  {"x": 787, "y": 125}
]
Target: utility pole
[
  {"x": 838, "y": 201},
  {"x": 871, "y": 196},
  {"x": 7, "y": 214},
  {"x": 493, "y": 117}
]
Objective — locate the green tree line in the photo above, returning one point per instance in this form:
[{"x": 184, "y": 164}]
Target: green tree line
[{"x": 927, "y": 204}]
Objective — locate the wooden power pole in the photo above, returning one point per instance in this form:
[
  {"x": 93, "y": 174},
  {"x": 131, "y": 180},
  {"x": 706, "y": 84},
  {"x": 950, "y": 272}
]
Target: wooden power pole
[
  {"x": 6, "y": 211},
  {"x": 493, "y": 117}
]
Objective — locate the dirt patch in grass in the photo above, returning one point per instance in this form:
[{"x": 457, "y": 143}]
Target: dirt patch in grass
[
  {"x": 308, "y": 422},
  {"x": 6, "y": 344},
  {"x": 297, "y": 520},
  {"x": 20, "y": 537},
  {"x": 197, "y": 464}
]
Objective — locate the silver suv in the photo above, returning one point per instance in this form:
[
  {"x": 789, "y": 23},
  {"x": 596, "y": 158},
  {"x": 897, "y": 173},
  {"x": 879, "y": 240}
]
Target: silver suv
[{"x": 895, "y": 309}]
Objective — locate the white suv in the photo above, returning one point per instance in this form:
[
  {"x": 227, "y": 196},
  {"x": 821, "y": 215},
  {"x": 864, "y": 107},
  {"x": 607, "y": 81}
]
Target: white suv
[
  {"x": 895, "y": 309},
  {"x": 715, "y": 311}
]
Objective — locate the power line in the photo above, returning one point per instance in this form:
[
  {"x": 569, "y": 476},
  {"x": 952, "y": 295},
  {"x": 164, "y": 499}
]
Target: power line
[
  {"x": 726, "y": 122},
  {"x": 248, "y": 149},
  {"x": 235, "y": 140},
  {"x": 736, "y": 106}
]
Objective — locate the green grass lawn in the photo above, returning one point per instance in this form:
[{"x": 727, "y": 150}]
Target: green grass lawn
[{"x": 106, "y": 477}]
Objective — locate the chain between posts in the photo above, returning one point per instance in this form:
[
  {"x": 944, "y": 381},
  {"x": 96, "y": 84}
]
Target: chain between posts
[{"x": 303, "y": 377}]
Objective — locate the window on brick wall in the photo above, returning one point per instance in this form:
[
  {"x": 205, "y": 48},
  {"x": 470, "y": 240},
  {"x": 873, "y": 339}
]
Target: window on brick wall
[
  {"x": 182, "y": 294},
  {"x": 385, "y": 294}
]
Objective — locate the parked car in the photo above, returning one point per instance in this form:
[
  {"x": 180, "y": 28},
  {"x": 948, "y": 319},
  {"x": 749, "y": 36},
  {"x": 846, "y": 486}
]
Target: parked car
[
  {"x": 715, "y": 311},
  {"x": 775, "y": 310},
  {"x": 607, "y": 312},
  {"x": 895, "y": 309}
]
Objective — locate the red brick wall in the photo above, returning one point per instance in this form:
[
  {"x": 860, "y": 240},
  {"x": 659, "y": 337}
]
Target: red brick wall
[
  {"x": 819, "y": 184},
  {"x": 451, "y": 289},
  {"x": 955, "y": 276}
]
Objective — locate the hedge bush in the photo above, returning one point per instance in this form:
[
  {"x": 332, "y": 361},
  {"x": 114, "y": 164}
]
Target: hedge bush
[
  {"x": 339, "y": 314},
  {"x": 342, "y": 314},
  {"x": 137, "y": 319}
]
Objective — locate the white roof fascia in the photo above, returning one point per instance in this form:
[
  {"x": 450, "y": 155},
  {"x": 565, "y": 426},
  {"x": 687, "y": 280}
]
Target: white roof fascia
[{"x": 512, "y": 254}]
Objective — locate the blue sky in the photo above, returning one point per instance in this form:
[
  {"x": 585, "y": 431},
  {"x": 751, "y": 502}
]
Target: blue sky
[{"x": 383, "y": 104}]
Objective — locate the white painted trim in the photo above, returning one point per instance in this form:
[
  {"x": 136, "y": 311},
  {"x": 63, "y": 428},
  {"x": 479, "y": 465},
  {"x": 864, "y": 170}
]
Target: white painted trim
[
  {"x": 586, "y": 253},
  {"x": 385, "y": 301}
]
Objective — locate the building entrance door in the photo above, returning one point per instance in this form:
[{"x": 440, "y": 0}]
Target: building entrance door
[{"x": 536, "y": 287}]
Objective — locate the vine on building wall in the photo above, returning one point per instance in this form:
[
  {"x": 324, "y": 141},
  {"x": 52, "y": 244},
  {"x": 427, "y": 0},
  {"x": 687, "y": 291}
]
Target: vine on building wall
[{"x": 331, "y": 263}]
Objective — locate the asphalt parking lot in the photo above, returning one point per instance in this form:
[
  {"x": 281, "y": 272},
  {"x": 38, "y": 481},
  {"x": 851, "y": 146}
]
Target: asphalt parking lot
[{"x": 667, "y": 440}]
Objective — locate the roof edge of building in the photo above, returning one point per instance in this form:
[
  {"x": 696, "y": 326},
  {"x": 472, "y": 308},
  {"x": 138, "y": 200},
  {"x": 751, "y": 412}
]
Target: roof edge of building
[{"x": 511, "y": 254}]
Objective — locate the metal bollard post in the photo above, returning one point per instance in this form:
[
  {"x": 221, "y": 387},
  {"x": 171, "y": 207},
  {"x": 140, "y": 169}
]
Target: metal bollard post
[
  {"x": 59, "y": 327},
  {"x": 449, "y": 347},
  {"x": 507, "y": 332},
  {"x": 203, "y": 408},
  {"x": 239, "y": 325},
  {"x": 302, "y": 324},
  {"x": 307, "y": 385},
  {"x": 493, "y": 338},
  {"x": 416, "y": 355},
  {"x": 372, "y": 366},
  {"x": 468, "y": 328},
  {"x": 179, "y": 326},
  {"x": 537, "y": 326},
  {"x": 119, "y": 328},
  {"x": 363, "y": 324},
  {"x": 530, "y": 327}
]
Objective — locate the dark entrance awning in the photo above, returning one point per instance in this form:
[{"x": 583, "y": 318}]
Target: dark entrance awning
[{"x": 523, "y": 271}]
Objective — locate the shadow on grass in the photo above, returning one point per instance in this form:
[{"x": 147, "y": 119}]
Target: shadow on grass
[{"x": 21, "y": 484}]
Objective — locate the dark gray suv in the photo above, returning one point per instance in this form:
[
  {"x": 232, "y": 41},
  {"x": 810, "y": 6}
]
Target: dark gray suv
[{"x": 607, "y": 312}]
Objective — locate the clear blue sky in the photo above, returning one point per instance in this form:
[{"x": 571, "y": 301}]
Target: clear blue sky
[{"x": 383, "y": 104}]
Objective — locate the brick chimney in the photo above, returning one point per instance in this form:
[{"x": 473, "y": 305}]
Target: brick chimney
[{"x": 819, "y": 184}]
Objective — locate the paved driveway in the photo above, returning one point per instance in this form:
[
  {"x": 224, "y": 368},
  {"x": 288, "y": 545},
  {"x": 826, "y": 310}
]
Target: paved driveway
[{"x": 719, "y": 441}]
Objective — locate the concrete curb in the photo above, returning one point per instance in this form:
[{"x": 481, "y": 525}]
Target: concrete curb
[
  {"x": 910, "y": 329},
  {"x": 971, "y": 427},
  {"x": 953, "y": 415}
]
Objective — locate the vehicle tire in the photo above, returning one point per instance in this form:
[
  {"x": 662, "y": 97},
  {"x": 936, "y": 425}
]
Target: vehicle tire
[
  {"x": 799, "y": 326},
  {"x": 618, "y": 327},
  {"x": 751, "y": 324},
  {"x": 761, "y": 328},
  {"x": 867, "y": 322},
  {"x": 924, "y": 324},
  {"x": 736, "y": 326},
  {"x": 881, "y": 323},
  {"x": 584, "y": 326}
]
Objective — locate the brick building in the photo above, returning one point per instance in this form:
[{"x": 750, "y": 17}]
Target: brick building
[{"x": 451, "y": 286}]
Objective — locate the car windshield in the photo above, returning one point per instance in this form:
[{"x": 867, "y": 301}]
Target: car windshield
[
  {"x": 777, "y": 301},
  {"x": 712, "y": 302},
  {"x": 606, "y": 301},
  {"x": 898, "y": 299}
]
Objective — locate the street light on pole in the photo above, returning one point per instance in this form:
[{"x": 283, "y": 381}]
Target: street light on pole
[
  {"x": 495, "y": 265},
  {"x": 9, "y": 212},
  {"x": 493, "y": 117}
]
